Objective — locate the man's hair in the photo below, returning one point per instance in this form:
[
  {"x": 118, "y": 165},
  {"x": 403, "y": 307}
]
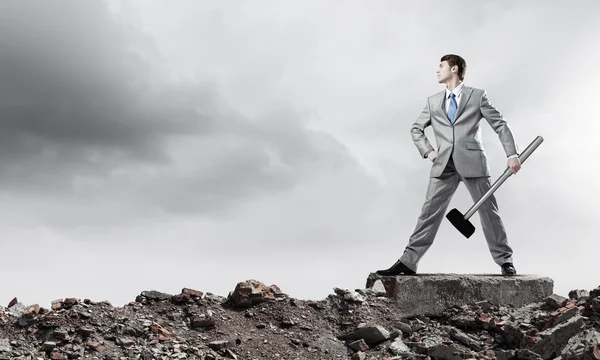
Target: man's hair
[{"x": 452, "y": 60}]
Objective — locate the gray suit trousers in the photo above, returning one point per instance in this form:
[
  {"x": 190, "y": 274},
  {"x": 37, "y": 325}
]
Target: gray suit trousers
[{"x": 439, "y": 192}]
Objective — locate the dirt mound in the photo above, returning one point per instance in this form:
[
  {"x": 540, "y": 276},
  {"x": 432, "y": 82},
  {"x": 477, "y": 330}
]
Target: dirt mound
[{"x": 256, "y": 321}]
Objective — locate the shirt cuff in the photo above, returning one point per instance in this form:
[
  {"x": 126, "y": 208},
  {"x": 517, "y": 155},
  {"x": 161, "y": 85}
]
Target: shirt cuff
[{"x": 514, "y": 155}]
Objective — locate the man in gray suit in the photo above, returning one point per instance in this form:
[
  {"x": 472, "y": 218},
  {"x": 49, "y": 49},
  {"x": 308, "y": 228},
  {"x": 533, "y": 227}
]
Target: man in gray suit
[{"x": 455, "y": 114}]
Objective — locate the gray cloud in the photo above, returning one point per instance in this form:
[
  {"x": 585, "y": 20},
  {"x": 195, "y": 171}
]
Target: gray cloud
[{"x": 88, "y": 109}]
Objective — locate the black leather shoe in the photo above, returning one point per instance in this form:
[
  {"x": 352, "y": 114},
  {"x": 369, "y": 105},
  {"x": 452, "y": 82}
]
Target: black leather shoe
[
  {"x": 508, "y": 269},
  {"x": 396, "y": 269}
]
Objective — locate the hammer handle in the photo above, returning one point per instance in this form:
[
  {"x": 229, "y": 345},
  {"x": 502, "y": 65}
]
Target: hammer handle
[{"x": 507, "y": 173}]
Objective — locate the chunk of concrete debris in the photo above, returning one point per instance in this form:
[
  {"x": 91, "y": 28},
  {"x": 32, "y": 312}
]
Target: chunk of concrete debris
[
  {"x": 56, "y": 304},
  {"x": 466, "y": 339},
  {"x": 251, "y": 292},
  {"x": 192, "y": 292},
  {"x": 349, "y": 296},
  {"x": 502, "y": 354},
  {"x": 404, "y": 327},
  {"x": 17, "y": 309},
  {"x": 48, "y": 346},
  {"x": 28, "y": 316},
  {"x": 431, "y": 294},
  {"x": 13, "y": 302},
  {"x": 583, "y": 346},
  {"x": 399, "y": 348},
  {"x": 153, "y": 295},
  {"x": 371, "y": 334},
  {"x": 551, "y": 341},
  {"x": 5, "y": 345},
  {"x": 563, "y": 314},
  {"x": 445, "y": 351},
  {"x": 595, "y": 292},
  {"x": 70, "y": 302},
  {"x": 577, "y": 294},
  {"x": 378, "y": 288},
  {"x": 556, "y": 301}
]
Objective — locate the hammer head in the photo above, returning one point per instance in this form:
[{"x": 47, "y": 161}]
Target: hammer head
[{"x": 458, "y": 220}]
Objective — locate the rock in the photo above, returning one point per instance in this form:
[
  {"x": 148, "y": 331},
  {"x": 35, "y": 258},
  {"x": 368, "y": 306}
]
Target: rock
[
  {"x": 550, "y": 342},
  {"x": 13, "y": 302},
  {"x": 252, "y": 292},
  {"x": 378, "y": 288},
  {"x": 202, "y": 322},
  {"x": 48, "y": 346},
  {"x": 230, "y": 354},
  {"x": 60, "y": 334},
  {"x": 348, "y": 295},
  {"x": 502, "y": 354},
  {"x": 595, "y": 292},
  {"x": 526, "y": 354},
  {"x": 56, "y": 356},
  {"x": 125, "y": 341},
  {"x": 583, "y": 346},
  {"x": 431, "y": 294},
  {"x": 359, "y": 345},
  {"x": 155, "y": 295},
  {"x": 191, "y": 292},
  {"x": 446, "y": 352},
  {"x": 69, "y": 303},
  {"x": 404, "y": 327},
  {"x": 399, "y": 348},
  {"x": 157, "y": 329},
  {"x": 85, "y": 331},
  {"x": 556, "y": 301},
  {"x": 358, "y": 356},
  {"x": 218, "y": 344},
  {"x": 5, "y": 345},
  {"x": 593, "y": 305},
  {"x": 28, "y": 316},
  {"x": 372, "y": 335},
  {"x": 56, "y": 304},
  {"x": 96, "y": 346},
  {"x": 17, "y": 310},
  {"x": 578, "y": 294},
  {"x": 465, "y": 339},
  {"x": 563, "y": 314}
]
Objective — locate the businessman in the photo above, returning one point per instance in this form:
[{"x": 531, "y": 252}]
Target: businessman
[{"x": 455, "y": 114}]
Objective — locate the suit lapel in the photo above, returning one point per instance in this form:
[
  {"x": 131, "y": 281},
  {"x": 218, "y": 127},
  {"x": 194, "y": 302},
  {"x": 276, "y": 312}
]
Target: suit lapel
[
  {"x": 466, "y": 95},
  {"x": 442, "y": 104}
]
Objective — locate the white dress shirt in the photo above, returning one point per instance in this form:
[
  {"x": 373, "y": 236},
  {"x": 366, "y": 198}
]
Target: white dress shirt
[{"x": 457, "y": 92}]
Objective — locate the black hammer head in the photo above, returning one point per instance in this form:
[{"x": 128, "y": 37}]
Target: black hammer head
[{"x": 458, "y": 220}]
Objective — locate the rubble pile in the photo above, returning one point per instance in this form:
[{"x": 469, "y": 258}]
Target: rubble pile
[{"x": 256, "y": 321}]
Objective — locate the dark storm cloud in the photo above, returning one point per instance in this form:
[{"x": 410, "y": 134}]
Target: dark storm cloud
[
  {"x": 83, "y": 96},
  {"x": 75, "y": 96}
]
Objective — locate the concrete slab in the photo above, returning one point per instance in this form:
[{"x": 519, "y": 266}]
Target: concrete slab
[{"x": 431, "y": 294}]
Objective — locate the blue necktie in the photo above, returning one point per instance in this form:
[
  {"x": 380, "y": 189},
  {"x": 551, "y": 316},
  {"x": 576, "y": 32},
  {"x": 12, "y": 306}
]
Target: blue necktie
[{"x": 452, "y": 108}]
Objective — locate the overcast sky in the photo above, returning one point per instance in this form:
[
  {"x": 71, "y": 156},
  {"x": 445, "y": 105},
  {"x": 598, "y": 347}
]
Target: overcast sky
[{"x": 161, "y": 145}]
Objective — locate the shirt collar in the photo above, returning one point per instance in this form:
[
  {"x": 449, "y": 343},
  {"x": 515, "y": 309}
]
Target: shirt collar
[{"x": 457, "y": 90}]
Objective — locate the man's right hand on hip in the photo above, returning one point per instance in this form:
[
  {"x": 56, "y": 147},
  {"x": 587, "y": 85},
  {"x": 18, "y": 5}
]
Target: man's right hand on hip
[{"x": 432, "y": 155}]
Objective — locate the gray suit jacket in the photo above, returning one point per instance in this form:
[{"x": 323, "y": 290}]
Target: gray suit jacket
[{"x": 461, "y": 139}]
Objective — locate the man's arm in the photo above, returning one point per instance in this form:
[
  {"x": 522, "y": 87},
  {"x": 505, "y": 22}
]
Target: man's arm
[
  {"x": 500, "y": 126},
  {"x": 418, "y": 131}
]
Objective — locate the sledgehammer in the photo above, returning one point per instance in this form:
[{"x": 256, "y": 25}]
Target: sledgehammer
[{"x": 461, "y": 222}]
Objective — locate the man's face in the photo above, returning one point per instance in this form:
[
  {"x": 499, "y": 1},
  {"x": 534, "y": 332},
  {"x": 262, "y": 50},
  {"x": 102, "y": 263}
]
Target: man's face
[{"x": 443, "y": 73}]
